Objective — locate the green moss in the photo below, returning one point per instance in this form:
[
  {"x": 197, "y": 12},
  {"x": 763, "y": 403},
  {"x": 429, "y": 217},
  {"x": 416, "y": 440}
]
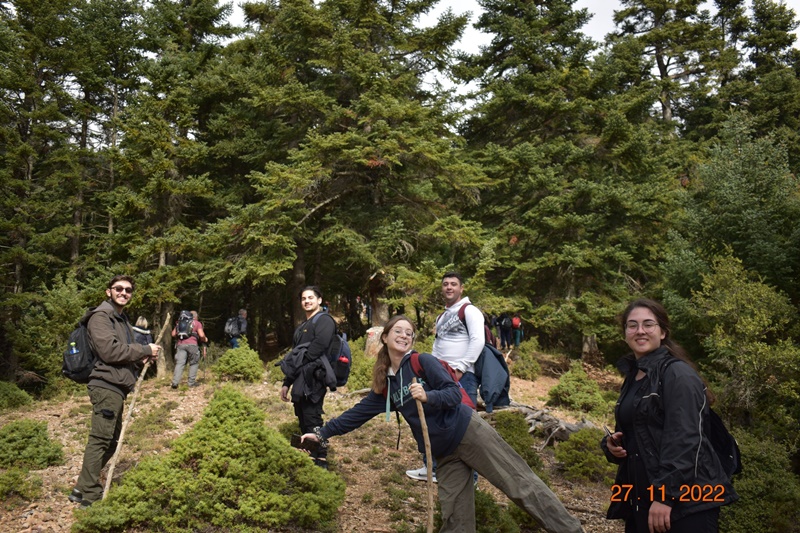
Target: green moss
[
  {"x": 25, "y": 443},
  {"x": 230, "y": 472}
]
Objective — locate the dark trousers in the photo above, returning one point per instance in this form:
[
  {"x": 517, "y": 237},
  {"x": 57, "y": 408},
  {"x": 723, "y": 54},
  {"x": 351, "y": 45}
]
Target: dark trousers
[
  {"x": 103, "y": 437},
  {"x": 703, "y": 522},
  {"x": 309, "y": 415}
]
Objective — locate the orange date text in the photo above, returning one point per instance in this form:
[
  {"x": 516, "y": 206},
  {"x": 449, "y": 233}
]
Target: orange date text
[{"x": 686, "y": 493}]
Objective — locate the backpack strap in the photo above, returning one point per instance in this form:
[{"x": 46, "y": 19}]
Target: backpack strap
[
  {"x": 416, "y": 368},
  {"x": 461, "y": 316}
]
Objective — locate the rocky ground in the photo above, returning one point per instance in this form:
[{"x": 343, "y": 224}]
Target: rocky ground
[{"x": 380, "y": 498}]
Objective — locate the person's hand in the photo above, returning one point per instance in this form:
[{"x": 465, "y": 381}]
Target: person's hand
[
  {"x": 658, "y": 520},
  {"x": 459, "y": 374},
  {"x": 309, "y": 436},
  {"x": 285, "y": 393},
  {"x": 617, "y": 451},
  {"x": 418, "y": 393}
]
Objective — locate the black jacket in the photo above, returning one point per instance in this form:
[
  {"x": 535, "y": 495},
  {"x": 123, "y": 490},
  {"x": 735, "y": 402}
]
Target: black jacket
[
  {"x": 671, "y": 411},
  {"x": 311, "y": 376}
]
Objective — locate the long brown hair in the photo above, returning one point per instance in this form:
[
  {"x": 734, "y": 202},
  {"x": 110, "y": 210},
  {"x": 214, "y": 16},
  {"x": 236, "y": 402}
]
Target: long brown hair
[
  {"x": 382, "y": 361},
  {"x": 675, "y": 349}
]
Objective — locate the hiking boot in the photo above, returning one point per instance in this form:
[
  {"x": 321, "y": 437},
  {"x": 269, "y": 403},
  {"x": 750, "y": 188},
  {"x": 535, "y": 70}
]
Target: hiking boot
[
  {"x": 174, "y": 386},
  {"x": 85, "y": 504},
  {"x": 76, "y": 496},
  {"x": 420, "y": 474},
  {"x": 192, "y": 385}
]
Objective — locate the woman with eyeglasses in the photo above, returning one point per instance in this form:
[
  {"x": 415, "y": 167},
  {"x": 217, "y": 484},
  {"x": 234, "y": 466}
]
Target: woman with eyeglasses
[
  {"x": 460, "y": 439},
  {"x": 669, "y": 476}
]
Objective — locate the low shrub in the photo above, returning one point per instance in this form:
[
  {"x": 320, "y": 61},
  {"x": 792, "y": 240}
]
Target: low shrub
[
  {"x": 525, "y": 366},
  {"x": 12, "y": 396},
  {"x": 17, "y": 482},
  {"x": 582, "y": 458},
  {"x": 229, "y": 472},
  {"x": 575, "y": 390},
  {"x": 25, "y": 443},
  {"x": 240, "y": 364},
  {"x": 489, "y": 516},
  {"x": 769, "y": 491},
  {"x": 361, "y": 369},
  {"x": 511, "y": 425}
]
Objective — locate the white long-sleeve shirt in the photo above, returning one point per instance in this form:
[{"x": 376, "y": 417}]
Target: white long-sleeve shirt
[{"x": 458, "y": 346}]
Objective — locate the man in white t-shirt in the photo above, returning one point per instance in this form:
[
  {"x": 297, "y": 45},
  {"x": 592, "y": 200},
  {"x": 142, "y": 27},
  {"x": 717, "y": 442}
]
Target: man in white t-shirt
[{"x": 456, "y": 343}]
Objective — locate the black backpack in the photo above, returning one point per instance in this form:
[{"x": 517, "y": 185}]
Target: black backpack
[
  {"x": 185, "y": 325},
  {"x": 232, "y": 326},
  {"x": 724, "y": 444},
  {"x": 79, "y": 358},
  {"x": 339, "y": 355}
]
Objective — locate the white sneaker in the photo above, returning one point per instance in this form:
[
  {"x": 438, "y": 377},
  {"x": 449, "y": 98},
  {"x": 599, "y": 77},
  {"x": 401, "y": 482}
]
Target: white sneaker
[{"x": 421, "y": 474}]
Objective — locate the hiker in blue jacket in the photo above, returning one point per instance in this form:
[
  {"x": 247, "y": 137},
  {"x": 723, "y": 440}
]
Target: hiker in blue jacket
[{"x": 460, "y": 439}]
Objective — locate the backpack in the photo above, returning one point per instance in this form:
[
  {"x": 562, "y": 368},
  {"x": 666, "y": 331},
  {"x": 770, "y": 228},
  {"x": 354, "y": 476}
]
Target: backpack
[
  {"x": 488, "y": 337},
  {"x": 506, "y": 322},
  {"x": 516, "y": 322},
  {"x": 185, "y": 325},
  {"x": 339, "y": 355},
  {"x": 79, "y": 358},
  {"x": 232, "y": 327},
  {"x": 418, "y": 371},
  {"x": 724, "y": 444}
]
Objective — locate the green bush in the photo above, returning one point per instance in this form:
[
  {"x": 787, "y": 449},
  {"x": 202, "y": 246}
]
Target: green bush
[
  {"x": 511, "y": 425},
  {"x": 769, "y": 492},
  {"x": 361, "y": 370},
  {"x": 240, "y": 364},
  {"x": 229, "y": 472},
  {"x": 489, "y": 517},
  {"x": 583, "y": 459},
  {"x": 18, "y": 482},
  {"x": 525, "y": 366},
  {"x": 575, "y": 390},
  {"x": 25, "y": 443},
  {"x": 12, "y": 396}
]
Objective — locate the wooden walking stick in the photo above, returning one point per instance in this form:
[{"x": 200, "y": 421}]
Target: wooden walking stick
[
  {"x": 128, "y": 417},
  {"x": 427, "y": 440}
]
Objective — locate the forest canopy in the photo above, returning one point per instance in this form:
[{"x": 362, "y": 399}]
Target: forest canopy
[{"x": 226, "y": 167}]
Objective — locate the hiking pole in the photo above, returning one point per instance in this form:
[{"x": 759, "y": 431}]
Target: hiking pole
[
  {"x": 128, "y": 417},
  {"x": 427, "y": 440}
]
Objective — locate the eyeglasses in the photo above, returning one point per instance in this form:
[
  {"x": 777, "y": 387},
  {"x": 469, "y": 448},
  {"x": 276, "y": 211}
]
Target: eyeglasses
[
  {"x": 648, "y": 326},
  {"x": 120, "y": 288},
  {"x": 406, "y": 332}
]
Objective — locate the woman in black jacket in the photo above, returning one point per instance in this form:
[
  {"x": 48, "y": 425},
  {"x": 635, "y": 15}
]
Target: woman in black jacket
[{"x": 669, "y": 477}]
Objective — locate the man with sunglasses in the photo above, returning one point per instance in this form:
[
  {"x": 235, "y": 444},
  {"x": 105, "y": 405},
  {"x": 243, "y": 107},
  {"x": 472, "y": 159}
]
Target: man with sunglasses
[{"x": 119, "y": 360}]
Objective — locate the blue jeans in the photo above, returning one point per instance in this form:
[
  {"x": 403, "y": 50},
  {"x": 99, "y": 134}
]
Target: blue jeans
[
  {"x": 234, "y": 342},
  {"x": 470, "y": 383}
]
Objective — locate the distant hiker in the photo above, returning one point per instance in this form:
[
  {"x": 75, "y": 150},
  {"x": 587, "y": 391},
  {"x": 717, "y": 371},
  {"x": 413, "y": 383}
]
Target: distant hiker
[
  {"x": 120, "y": 359},
  {"x": 236, "y": 328},
  {"x": 505, "y": 331},
  {"x": 458, "y": 343},
  {"x": 188, "y": 347},
  {"x": 516, "y": 329},
  {"x": 141, "y": 334},
  {"x": 661, "y": 441},
  {"x": 460, "y": 439},
  {"x": 311, "y": 382}
]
